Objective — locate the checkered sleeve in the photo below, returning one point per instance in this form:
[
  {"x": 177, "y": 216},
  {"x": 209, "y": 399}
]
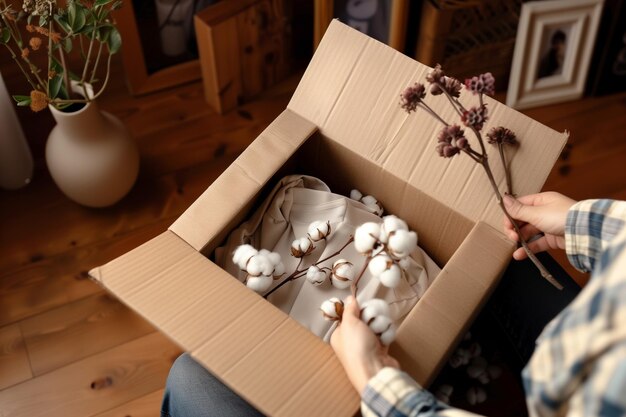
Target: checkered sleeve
[
  {"x": 590, "y": 227},
  {"x": 392, "y": 392}
]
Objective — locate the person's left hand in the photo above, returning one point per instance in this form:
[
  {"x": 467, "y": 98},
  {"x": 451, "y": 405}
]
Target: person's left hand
[{"x": 357, "y": 347}]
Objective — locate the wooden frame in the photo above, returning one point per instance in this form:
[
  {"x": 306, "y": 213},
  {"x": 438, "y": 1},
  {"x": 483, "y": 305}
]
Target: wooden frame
[
  {"x": 324, "y": 13},
  {"x": 561, "y": 31},
  {"x": 140, "y": 81}
]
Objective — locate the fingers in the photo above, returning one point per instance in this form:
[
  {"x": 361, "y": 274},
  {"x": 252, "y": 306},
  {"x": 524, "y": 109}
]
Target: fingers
[
  {"x": 351, "y": 309},
  {"x": 535, "y": 246},
  {"x": 518, "y": 209}
]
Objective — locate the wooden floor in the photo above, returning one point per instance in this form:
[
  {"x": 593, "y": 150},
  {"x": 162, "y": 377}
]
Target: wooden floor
[{"x": 69, "y": 349}]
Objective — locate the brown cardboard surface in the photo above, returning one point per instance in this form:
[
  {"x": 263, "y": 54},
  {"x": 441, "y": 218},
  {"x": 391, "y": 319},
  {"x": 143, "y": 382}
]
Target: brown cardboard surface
[
  {"x": 351, "y": 92},
  {"x": 343, "y": 125}
]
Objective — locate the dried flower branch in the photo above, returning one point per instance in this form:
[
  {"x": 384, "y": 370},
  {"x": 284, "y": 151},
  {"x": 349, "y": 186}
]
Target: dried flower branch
[
  {"x": 452, "y": 141},
  {"x": 56, "y": 30}
]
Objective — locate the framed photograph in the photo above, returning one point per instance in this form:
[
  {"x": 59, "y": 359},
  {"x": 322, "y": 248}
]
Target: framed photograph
[
  {"x": 159, "y": 48},
  {"x": 384, "y": 20},
  {"x": 554, "y": 43}
]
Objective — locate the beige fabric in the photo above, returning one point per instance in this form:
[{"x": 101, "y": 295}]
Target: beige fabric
[{"x": 285, "y": 215}]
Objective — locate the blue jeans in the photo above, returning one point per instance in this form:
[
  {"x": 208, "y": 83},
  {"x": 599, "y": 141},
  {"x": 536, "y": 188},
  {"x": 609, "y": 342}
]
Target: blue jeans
[{"x": 192, "y": 391}]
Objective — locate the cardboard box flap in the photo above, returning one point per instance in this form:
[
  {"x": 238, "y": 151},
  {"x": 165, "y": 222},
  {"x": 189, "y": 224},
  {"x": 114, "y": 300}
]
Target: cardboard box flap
[
  {"x": 453, "y": 300},
  {"x": 351, "y": 91},
  {"x": 238, "y": 333},
  {"x": 204, "y": 219}
]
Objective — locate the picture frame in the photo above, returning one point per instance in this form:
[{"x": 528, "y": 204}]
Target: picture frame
[
  {"x": 141, "y": 77},
  {"x": 387, "y": 23},
  {"x": 553, "y": 48}
]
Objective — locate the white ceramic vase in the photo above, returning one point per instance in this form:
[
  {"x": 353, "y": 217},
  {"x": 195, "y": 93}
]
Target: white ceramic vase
[{"x": 91, "y": 156}]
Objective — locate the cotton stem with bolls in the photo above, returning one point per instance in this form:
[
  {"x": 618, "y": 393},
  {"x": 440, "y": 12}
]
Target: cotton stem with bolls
[{"x": 298, "y": 273}]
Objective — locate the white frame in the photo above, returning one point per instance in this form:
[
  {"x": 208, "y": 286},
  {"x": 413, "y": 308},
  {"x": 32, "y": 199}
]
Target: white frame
[{"x": 582, "y": 17}]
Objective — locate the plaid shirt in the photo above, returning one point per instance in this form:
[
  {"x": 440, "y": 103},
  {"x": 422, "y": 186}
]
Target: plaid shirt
[{"x": 579, "y": 365}]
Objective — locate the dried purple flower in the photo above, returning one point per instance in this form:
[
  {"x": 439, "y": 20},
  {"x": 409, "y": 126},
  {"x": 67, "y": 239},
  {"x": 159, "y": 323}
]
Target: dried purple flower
[
  {"x": 482, "y": 84},
  {"x": 501, "y": 135},
  {"x": 475, "y": 117},
  {"x": 435, "y": 75},
  {"x": 449, "y": 84},
  {"x": 451, "y": 140},
  {"x": 412, "y": 96}
]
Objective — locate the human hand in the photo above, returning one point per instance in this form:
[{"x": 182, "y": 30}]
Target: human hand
[
  {"x": 538, "y": 213},
  {"x": 357, "y": 347}
]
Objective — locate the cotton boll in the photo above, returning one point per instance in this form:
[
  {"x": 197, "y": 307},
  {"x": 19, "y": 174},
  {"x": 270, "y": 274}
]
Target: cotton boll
[
  {"x": 391, "y": 224},
  {"x": 477, "y": 367},
  {"x": 315, "y": 275},
  {"x": 405, "y": 263},
  {"x": 379, "y": 324},
  {"x": 332, "y": 309},
  {"x": 391, "y": 277},
  {"x": 279, "y": 270},
  {"x": 374, "y": 307},
  {"x": 342, "y": 274},
  {"x": 365, "y": 237},
  {"x": 275, "y": 258},
  {"x": 301, "y": 247},
  {"x": 356, "y": 195},
  {"x": 494, "y": 371},
  {"x": 379, "y": 264},
  {"x": 259, "y": 265},
  {"x": 242, "y": 254},
  {"x": 402, "y": 243},
  {"x": 260, "y": 283},
  {"x": 372, "y": 204},
  {"x": 388, "y": 336},
  {"x": 319, "y": 230}
]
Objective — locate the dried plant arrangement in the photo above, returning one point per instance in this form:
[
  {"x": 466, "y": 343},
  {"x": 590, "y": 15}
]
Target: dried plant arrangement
[{"x": 452, "y": 139}]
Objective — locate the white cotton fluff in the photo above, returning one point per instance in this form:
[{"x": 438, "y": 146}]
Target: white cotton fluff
[
  {"x": 372, "y": 204},
  {"x": 405, "y": 263},
  {"x": 402, "y": 243},
  {"x": 332, "y": 309},
  {"x": 391, "y": 277},
  {"x": 374, "y": 307},
  {"x": 391, "y": 224},
  {"x": 315, "y": 275},
  {"x": 279, "y": 270},
  {"x": 275, "y": 258},
  {"x": 379, "y": 264},
  {"x": 342, "y": 274},
  {"x": 260, "y": 265},
  {"x": 259, "y": 284},
  {"x": 242, "y": 254},
  {"x": 379, "y": 324},
  {"x": 356, "y": 194},
  {"x": 301, "y": 247},
  {"x": 365, "y": 237},
  {"x": 477, "y": 367},
  {"x": 319, "y": 230},
  {"x": 388, "y": 336}
]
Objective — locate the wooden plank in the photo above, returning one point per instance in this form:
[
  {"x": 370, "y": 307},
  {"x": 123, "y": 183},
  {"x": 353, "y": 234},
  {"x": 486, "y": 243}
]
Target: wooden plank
[
  {"x": 79, "y": 329},
  {"x": 14, "y": 366},
  {"x": 146, "y": 406},
  {"x": 94, "y": 384},
  {"x": 53, "y": 281}
]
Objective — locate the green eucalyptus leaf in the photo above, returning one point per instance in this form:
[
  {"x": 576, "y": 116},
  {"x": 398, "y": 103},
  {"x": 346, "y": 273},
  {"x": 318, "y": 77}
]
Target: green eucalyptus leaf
[
  {"x": 115, "y": 41},
  {"x": 79, "y": 20},
  {"x": 29, "y": 19},
  {"x": 99, "y": 3},
  {"x": 22, "y": 100},
  {"x": 5, "y": 35},
  {"x": 71, "y": 13},
  {"x": 67, "y": 45},
  {"x": 43, "y": 21},
  {"x": 103, "y": 34},
  {"x": 62, "y": 21},
  {"x": 54, "y": 86},
  {"x": 56, "y": 65}
]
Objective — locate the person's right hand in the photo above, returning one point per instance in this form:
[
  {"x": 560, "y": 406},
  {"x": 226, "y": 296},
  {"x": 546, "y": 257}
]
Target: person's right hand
[{"x": 538, "y": 213}]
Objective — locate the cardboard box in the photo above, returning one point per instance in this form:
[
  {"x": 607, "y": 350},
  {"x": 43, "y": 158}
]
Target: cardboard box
[{"x": 345, "y": 126}]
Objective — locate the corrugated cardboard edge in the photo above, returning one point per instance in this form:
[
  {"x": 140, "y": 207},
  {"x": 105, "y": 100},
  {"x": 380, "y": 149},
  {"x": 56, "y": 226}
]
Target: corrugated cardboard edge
[
  {"x": 206, "y": 217},
  {"x": 451, "y": 303},
  {"x": 167, "y": 281}
]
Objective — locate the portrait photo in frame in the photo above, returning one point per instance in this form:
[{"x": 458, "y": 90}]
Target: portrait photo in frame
[{"x": 553, "y": 48}]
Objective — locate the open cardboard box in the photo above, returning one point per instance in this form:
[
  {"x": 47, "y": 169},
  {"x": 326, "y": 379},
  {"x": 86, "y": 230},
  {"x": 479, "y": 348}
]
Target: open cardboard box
[{"x": 343, "y": 125}]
